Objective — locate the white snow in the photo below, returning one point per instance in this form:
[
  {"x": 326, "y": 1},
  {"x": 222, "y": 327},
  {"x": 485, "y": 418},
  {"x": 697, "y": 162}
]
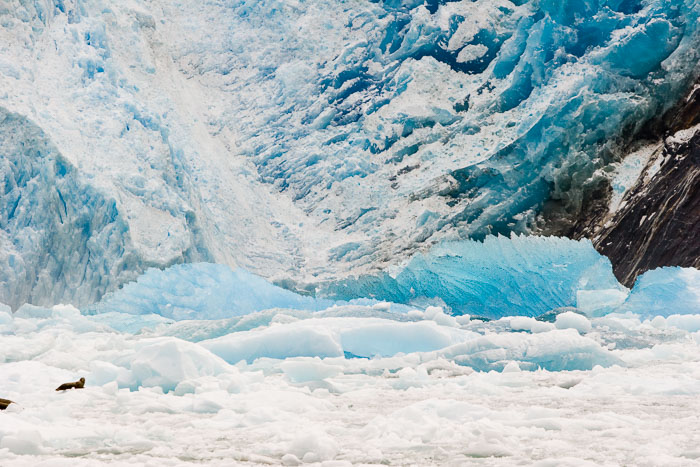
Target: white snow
[
  {"x": 629, "y": 170},
  {"x": 683, "y": 136}
]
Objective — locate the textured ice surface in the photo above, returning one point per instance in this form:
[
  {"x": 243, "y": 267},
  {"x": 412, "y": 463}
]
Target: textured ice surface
[
  {"x": 352, "y": 385},
  {"x": 517, "y": 276},
  {"x": 60, "y": 238},
  {"x": 497, "y": 277},
  {"x": 335, "y": 337},
  {"x": 308, "y": 140},
  {"x": 202, "y": 291}
]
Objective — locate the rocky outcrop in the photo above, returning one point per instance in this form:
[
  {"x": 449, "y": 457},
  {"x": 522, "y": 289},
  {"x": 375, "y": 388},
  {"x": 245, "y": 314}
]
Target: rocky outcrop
[{"x": 657, "y": 222}]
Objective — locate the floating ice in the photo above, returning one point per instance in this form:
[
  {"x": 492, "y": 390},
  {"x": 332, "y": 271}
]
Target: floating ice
[
  {"x": 202, "y": 291},
  {"x": 570, "y": 320},
  {"x": 334, "y": 337},
  {"x": 664, "y": 292},
  {"x": 497, "y": 277},
  {"x": 555, "y": 351},
  {"x": 352, "y": 383},
  {"x": 600, "y": 302}
]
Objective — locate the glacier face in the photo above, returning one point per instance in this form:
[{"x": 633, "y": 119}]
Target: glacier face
[
  {"x": 58, "y": 234},
  {"x": 307, "y": 141}
]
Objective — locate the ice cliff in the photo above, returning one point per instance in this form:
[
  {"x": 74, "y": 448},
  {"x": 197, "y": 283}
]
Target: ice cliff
[{"x": 309, "y": 141}]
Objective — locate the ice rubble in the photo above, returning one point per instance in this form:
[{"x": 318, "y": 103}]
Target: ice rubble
[
  {"x": 364, "y": 382},
  {"x": 307, "y": 140}
]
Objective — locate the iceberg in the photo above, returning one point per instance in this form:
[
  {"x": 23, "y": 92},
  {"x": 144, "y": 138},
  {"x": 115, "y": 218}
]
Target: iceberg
[
  {"x": 202, "y": 291},
  {"x": 520, "y": 275},
  {"x": 664, "y": 292}
]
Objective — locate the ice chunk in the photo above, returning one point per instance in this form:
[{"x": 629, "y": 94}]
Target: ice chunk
[
  {"x": 166, "y": 362},
  {"x": 290, "y": 459},
  {"x": 555, "y": 351},
  {"x": 525, "y": 323},
  {"x": 665, "y": 292},
  {"x": 309, "y": 369},
  {"x": 334, "y": 337},
  {"x": 377, "y": 338},
  {"x": 32, "y": 311},
  {"x": 23, "y": 442},
  {"x": 570, "y": 320},
  {"x": 690, "y": 323},
  {"x": 126, "y": 322},
  {"x": 314, "y": 446},
  {"x": 276, "y": 342},
  {"x": 600, "y": 302},
  {"x": 202, "y": 291},
  {"x": 497, "y": 277}
]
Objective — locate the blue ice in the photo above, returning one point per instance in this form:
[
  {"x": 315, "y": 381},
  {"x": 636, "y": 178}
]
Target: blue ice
[
  {"x": 202, "y": 291},
  {"x": 664, "y": 292},
  {"x": 500, "y": 276}
]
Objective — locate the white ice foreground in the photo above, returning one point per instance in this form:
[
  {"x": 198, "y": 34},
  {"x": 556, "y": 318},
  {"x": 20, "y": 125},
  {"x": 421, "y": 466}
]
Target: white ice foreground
[{"x": 358, "y": 384}]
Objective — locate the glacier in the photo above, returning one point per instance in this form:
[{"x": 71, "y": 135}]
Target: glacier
[
  {"x": 311, "y": 141},
  {"x": 282, "y": 232}
]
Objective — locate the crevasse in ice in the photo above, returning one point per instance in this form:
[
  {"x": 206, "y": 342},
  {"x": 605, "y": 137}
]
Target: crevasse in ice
[{"x": 307, "y": 141}]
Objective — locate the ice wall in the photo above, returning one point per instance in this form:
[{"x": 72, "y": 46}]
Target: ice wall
[
  {"x": 60, "y": 239},
  {"x": 407, "y": 123},
  {"x": 310, "y": 141}
]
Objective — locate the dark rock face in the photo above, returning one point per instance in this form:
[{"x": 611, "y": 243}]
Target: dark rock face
[{"x": 659, "y": 224}]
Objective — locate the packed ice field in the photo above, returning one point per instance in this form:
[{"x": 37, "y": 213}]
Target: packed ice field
[{"x": 201, "y": 364}]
